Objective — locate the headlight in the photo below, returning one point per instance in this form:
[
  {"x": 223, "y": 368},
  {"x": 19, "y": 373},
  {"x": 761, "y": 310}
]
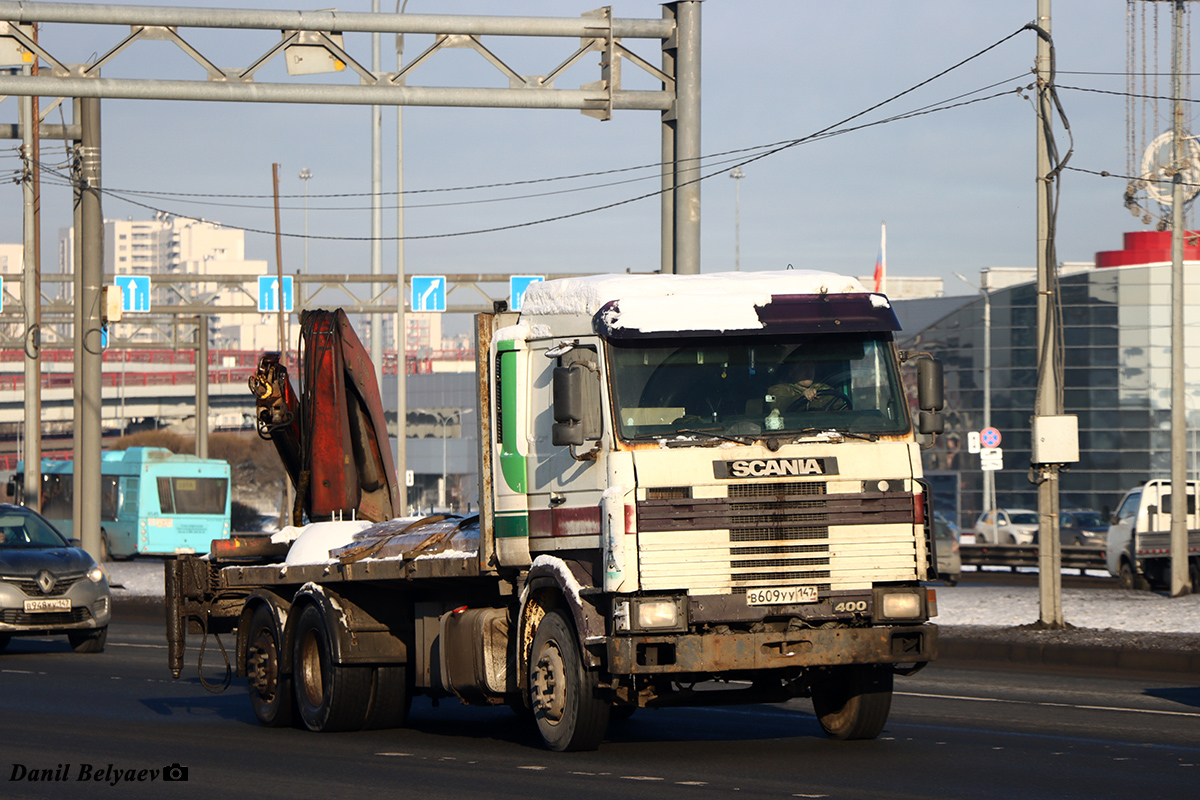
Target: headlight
[
  {"x": 95, "y": 574},
  {"x": 904, "y": 604},
  {"x": 650, "y": 614},
  {"x": 657, "y": 614}
]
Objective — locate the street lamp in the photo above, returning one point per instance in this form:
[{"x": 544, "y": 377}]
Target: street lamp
[
  {"x": 305, "y": 176},
  {"x": 737, "y": 175},
  {"x": 989, "y": 476}
]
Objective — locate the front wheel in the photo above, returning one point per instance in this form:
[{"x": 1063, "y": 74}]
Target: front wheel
[
  {"x": 270, "y": 690},
  {"x": 566, "y": 699},
  {"x": 329, "y": 696},
  {"x": 852, "y": 702}
]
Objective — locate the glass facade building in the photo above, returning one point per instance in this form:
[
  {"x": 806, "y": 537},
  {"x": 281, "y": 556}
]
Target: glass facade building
[{"x": 1116, "y": 330}]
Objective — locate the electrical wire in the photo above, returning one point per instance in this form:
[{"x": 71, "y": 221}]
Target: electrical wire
[{"x": 759, "y": 152}]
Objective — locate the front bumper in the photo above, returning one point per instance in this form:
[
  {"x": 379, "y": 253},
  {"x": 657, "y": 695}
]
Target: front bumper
[
  {"x": 710, "y": 653},
  {"x": 91, "y": 608}
]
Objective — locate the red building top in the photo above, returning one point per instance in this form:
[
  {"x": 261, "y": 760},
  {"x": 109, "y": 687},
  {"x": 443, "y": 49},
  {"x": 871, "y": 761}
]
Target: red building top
[{"x": 1149, "y": 247}]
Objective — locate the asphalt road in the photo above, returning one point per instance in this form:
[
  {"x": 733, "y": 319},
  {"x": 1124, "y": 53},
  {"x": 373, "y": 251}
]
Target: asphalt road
[{"x": 953, "y": 732}]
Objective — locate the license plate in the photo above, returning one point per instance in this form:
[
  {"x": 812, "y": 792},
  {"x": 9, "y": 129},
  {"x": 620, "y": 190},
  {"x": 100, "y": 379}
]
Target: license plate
[
  {"x": 60, "y": 604},
  {"x": 781, "y": 596}
]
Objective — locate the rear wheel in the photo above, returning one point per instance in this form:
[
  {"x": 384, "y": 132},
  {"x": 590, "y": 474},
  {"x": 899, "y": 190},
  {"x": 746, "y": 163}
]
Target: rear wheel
[
  {"x": 270, "y": 690},
  {"x": 88, "y": 641},
  {"x": 567, "y": 703},
  {"x": 329, "y": 696},
  {"x": 852, "y": 702},
  {"x": 391, "y": 697}
]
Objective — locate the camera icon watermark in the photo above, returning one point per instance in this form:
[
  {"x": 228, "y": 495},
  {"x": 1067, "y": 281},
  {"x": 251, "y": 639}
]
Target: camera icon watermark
[{"x": 174, "y": 772}]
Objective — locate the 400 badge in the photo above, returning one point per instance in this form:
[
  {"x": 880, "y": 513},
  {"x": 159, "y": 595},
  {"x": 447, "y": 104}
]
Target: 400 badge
[{"x": 774, "y": 467}]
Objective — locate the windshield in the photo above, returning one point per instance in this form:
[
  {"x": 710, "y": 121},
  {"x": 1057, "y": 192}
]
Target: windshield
[
  {"x": 1024, "y": 518},
  {"x": 26, "y": 530},
  {"x": 1084, "y": 519},
  {"x": 744, "y": 387}
]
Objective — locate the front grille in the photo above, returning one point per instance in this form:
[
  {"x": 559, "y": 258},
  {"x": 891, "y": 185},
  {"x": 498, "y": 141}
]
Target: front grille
[
  {"x": 30, "y": 586},
  {"x": 788, "y": 533},
  {"x": 15, "y": 616}
]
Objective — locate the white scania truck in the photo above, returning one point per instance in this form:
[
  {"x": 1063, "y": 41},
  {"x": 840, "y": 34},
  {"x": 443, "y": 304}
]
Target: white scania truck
[{"x": 668, "y": 517}]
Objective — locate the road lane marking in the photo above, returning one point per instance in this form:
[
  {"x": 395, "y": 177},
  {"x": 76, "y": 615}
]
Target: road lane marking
[{"x": 1046, "y": 704}]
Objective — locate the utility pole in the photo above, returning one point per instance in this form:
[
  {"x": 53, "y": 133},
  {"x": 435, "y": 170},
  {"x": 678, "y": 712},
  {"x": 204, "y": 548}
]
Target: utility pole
[
  {"x": 737, "y": 175},
  {"x": 1049, "y": 391},
  {"x": 31, "y": 297},
  {"x": 88, "y": 282},
  {"x": 1180, "y": 584},
  {"x": 376, "y": 210},
  {"x": 283, "y": 342},
  {"x": 201, "y": 386},
  {"x": 306, "y": 176},
  {"x": 401, "y": 324}
]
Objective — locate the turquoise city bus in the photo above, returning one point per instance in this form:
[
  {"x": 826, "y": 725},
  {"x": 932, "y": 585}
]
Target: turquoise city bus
[{"x": 152, "y": 501}]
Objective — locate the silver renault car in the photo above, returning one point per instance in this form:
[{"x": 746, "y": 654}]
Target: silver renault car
[{"x": 48, "y": 585}]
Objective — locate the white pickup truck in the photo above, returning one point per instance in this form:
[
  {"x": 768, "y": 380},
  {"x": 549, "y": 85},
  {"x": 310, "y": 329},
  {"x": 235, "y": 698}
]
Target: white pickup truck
[{"x": 1139, "y": 538}]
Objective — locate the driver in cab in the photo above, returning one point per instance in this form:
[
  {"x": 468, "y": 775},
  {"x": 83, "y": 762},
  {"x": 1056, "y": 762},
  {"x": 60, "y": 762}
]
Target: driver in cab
[{"x": 801, "y": 391}]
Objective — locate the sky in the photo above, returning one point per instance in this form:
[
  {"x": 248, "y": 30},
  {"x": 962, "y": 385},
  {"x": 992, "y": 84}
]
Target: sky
[{"x": 955, "y": 187}]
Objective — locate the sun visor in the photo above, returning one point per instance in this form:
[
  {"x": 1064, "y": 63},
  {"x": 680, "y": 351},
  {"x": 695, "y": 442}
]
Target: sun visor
[{"x": 798, "y": 313}]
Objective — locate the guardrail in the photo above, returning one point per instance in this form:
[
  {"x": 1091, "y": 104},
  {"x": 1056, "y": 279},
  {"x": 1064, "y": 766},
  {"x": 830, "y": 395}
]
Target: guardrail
[{"x": 1026, "y": 555}]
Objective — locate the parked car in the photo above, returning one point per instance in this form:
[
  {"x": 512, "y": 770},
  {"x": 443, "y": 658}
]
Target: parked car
[
  {"x": 1007, "y": 526},
  {"x": 1082, "y": 526},
  {"x": 49, "y": 585},
  {"x": 949, "y": 560}
]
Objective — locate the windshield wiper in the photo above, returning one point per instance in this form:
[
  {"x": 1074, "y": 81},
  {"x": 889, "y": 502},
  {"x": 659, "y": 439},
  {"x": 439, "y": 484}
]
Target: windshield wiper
[{"x": 833, "y": 432}]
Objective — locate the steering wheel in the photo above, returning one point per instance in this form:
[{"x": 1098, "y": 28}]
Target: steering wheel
[{"x": 837, "y": 401}]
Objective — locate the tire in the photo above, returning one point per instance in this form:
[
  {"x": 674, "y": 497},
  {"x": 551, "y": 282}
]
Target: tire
[
  {"x": 568, "y": 706},
  {"x": 88, "y": 641},
  {"x": 105, "y": 550},
  {"x": 329, "y": 697},
  {"x": 852, "y": 702},
  {"x": 391, "y": 697},
  {"x": 270, "y": 691},
  {"x": 1010, "y": 539}
]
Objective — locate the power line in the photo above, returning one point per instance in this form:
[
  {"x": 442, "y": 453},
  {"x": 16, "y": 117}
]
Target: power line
[{"x": 760, "y": 152}]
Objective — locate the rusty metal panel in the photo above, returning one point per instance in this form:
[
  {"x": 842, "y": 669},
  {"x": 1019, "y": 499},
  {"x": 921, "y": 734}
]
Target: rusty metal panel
[{"x": 757, "y": 651}]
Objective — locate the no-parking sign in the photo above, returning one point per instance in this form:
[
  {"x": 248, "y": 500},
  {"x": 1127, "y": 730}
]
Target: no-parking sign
[{"x": 989, "y": 438}]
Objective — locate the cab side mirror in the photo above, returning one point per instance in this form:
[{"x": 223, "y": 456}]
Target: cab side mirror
[{"x": 568, "y": 406}]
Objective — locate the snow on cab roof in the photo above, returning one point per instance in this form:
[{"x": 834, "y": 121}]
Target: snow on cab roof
[{"x": 726, "y": 301}]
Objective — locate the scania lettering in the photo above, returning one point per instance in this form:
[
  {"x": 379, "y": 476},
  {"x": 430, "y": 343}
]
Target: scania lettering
[{"x": 654, "y": 514}]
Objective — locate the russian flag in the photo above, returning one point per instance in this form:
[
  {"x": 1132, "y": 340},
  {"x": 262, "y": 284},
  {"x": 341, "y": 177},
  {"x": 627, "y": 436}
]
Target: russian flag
[{"x": 881, "y": 261}]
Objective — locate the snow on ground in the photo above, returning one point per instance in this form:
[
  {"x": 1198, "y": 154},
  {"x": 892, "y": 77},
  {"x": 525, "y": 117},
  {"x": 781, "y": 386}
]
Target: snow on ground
[
  {"x": 1115, "y": 609},
  {"x": 965, "y": 604}
]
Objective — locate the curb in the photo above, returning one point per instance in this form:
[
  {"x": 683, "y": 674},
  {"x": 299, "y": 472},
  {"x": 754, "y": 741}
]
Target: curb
[{"x": 1108, "y": 659}]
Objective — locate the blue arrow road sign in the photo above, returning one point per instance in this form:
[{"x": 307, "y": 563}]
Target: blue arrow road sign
[
  {"x": 429, "y": 293},
  {"x": 517, "y": 286},
  {"x": 268, "y": 294},
  {"x": 135, "y": 292}
]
